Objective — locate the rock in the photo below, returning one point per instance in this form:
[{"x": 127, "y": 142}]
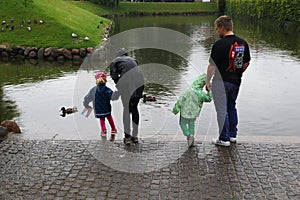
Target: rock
[
  {"x": 77, "y": 59},
  {"x": 3, "y": 47},
  {"x": 11, "y": 126},
  {"x": 40, "y": 54},
  {"x": 14, "y": 51},
  {"x": 21, "y": 51},
  {"x": 56, "y": 52},
  {"x": 27, "y": 51},
  {"x": 89, "y": 49},
  {"x": 82, "y": 52},
  {"x": 48, "y": 51},
  {"x": 75, "y": 51},
  {"x": 5, "y": 54},
  {"x": 32, "y": 54},
  {"x": 67, "y": 54}
]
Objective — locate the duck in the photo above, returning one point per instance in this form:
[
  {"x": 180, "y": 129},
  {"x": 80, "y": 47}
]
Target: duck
[
  {"x": 68, "y": 111},
  {"x": 74, "y": 35},
  {"x": 11, "y": 126},
  {"x": 148, "y": 98},
  {"x": 86, "y": 38},
  {"x": 22, "y": 22},
  {"x": 3, "y": 22},
  {"x": 41, "y": 21},
  {"x": 29, "y": 28}
]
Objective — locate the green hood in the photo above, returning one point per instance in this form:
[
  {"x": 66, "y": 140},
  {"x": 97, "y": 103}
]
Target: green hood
[{"x": 199, "y": 82}]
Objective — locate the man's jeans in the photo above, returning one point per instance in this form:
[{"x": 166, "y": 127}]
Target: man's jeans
[{"x": 225, "y": 95}]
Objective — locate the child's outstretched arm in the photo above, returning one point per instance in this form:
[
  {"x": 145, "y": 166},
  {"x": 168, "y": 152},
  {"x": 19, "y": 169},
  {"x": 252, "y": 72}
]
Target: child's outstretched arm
[{"x": 88, "y": 98}]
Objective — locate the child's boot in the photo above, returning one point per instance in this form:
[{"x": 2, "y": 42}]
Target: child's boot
[
  {"x": 190, "y": 140},
  {"x": 103, "y": 133}
]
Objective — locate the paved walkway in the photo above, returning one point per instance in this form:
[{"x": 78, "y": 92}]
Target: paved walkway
[{"x": 75, "y": 170}]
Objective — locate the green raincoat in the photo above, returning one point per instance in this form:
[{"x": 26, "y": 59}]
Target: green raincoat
[{"x": 190, "y": 102}]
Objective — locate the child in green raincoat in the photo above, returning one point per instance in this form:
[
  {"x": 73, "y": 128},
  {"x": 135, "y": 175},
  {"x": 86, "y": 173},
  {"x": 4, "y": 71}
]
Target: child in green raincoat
[{"x": 189, "y": 104}]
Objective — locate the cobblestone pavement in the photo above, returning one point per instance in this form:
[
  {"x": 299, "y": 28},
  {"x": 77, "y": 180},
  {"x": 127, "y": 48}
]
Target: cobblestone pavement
[{"x": 71, "y": 170}]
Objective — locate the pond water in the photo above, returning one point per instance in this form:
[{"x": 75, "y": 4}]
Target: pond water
[{"x": 267, "y": 105}]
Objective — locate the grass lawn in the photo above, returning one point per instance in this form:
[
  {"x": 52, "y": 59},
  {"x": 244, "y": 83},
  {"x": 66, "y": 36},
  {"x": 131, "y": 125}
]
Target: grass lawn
[{"x": 62, "y": 18}]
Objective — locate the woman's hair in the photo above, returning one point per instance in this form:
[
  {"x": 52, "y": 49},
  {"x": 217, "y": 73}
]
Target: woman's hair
[
  {"x": 100, "y": 81},
  {"x": 225, "y": 21}
]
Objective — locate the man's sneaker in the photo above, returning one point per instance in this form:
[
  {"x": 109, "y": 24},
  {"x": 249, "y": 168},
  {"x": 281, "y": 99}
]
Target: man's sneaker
[
  {"x": 233, "y": 139},
  {"x": 221, "y": 143},
  {"x": 135, "y": 139},
  {"x": 127, "y": 141},
  {"x": 190, "y": 139}
]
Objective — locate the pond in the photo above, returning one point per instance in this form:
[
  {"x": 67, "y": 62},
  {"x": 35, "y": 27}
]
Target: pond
[{"x": 267, "y": 105}]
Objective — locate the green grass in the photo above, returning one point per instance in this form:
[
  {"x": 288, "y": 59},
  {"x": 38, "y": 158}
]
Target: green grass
[{"x": 62, "y": 18}]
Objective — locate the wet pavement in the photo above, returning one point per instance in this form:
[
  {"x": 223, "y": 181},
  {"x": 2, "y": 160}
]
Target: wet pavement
[{"x": 66, "y": 169}]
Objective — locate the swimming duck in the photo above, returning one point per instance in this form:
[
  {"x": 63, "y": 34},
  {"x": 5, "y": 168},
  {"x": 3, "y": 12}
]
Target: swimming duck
[
  {"x": 68, "y": 111},
  {"x": 148, "y": 98}
]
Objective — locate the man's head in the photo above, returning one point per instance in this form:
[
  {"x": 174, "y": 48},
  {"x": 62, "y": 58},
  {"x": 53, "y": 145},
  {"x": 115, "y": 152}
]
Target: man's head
[{"x": 223, "y": 25}]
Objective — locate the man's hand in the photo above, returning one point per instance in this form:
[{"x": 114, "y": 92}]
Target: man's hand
[{"x": 208, "y": 86}]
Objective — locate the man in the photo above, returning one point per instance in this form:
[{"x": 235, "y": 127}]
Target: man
[
  {"x": 129, "y": 81},
  {"x": 229, "y": 58}
]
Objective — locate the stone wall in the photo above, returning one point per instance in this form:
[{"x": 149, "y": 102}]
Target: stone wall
[{"x": 49, "y": 54}]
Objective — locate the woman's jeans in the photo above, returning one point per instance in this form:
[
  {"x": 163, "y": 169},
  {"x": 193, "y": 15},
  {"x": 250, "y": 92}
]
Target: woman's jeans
[{"x": 225, "y": 95}]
